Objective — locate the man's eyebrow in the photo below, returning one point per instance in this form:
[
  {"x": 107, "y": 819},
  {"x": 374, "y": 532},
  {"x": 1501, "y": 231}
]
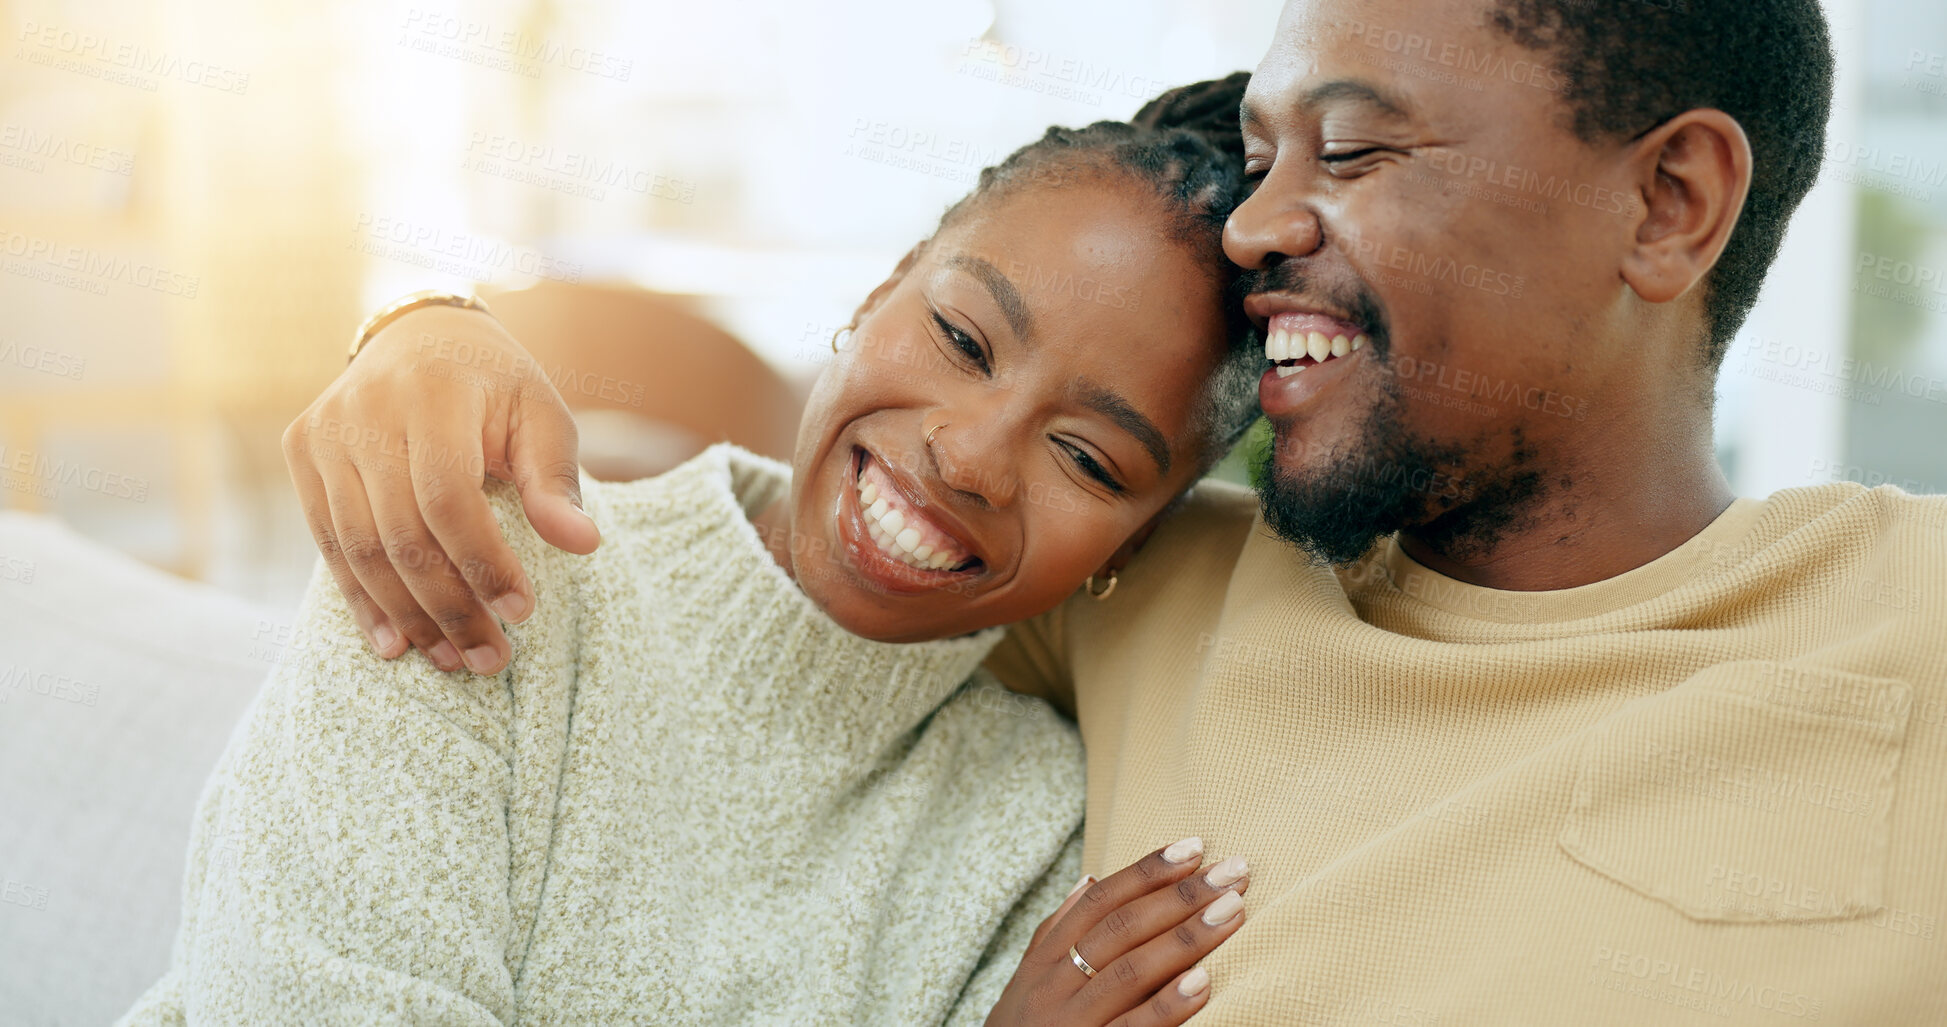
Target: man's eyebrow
[
  {"x": 1352, "y": 90},
  {"x": 1006, "y": 295},
  {"x": 1129, "y": 419},
  {"x": 1341, "y": 90},
  {"x": 1248, "y": 116}
]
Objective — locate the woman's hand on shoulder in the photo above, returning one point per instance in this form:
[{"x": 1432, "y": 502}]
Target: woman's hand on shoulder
[
  {"x": 1141, "y": 931},
  {"x": 390, "y": 462}
]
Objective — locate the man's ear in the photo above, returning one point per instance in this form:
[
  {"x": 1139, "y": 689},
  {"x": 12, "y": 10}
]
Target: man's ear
[
  {"x": 878, "y": 295},
  {"x": 1693, "y": 173}
]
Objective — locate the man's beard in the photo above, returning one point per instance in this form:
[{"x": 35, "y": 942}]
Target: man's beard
[
  {"x": 1337, "y": 506},
  {"x": 1336, "y": 514},
  {"x": 1385, "y": 479}
]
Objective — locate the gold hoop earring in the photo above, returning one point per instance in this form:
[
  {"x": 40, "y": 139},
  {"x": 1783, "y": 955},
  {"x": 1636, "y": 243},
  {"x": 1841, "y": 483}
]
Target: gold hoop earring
[
  {"x": 845, "y": 331},
  {"x": 935, "y": 431},
  {"x": 1104, "y": 594}
]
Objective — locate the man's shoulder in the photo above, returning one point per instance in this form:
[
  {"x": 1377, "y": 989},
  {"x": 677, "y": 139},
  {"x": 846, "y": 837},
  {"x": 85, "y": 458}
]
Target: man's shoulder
[
  {"x": 1210, "y": 524},
  {"x": 1902, "y": 533},
  {"x": 1868, "y": 563},
  {"x": 1185, "y": 565},
  {"x": 1182, "y": 574},
  {"x": 1220, "y": 502},
  {"x": 1923, "y": 518}
]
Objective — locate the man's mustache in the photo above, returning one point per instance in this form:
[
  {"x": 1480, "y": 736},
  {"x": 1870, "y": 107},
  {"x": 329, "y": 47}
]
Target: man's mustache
[{"x": 1355, "y": 299}]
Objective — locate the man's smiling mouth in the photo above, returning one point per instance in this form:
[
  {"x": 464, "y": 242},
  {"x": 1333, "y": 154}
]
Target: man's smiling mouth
[{"x": 1295, "y": 341}]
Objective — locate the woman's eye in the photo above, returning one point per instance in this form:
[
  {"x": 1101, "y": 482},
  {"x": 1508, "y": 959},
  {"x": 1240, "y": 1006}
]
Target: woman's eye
[
  {"x": 1091, "y": 467},
  {"x": 961, "y": 341}
]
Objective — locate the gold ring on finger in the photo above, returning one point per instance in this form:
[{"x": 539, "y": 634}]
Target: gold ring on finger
[{"x": 1080, "y": 963}]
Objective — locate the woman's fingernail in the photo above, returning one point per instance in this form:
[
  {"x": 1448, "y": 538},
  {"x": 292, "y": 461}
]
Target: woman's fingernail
[
  {"x": 1220, "y": 912},
  {"x": 482, "y": 659},
  {"x": 444, "y": 656},
  {"x": 1184, "y": 851},
  {"x": 383, "y": 638},
  {"x": 1087, "y": 879},
  {"x": 511, "y": 607},
  {"x": 1193, "y": 982},
  {"x": 1225, "y": 874}
]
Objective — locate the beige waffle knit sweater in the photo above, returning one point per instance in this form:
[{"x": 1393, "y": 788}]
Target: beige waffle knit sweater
[
  {"x": 1712, "y": 790},
  {"x": 690, "y": 799}
]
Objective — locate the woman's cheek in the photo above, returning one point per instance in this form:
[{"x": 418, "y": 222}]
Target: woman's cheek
[
  {"x": 1071, "y": 539},
  {"x": 827, "y": 394},
  {"x": 1056, "y": 498}
]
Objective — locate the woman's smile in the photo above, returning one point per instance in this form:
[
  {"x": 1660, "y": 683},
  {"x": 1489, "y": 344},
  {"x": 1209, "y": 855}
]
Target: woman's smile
[{"x": 897, "y": 538}]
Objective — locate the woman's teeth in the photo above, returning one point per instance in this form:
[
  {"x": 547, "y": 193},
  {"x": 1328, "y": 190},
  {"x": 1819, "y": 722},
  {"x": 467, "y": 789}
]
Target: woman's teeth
[
  {"x": 1281, "y": 346},
  {"x": 899, "y": 530}
]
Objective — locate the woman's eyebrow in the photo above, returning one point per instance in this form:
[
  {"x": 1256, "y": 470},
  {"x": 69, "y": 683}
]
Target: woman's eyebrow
[
  {"x": 1128, "y": 418},
  {"x": 1013, "y": 307}
]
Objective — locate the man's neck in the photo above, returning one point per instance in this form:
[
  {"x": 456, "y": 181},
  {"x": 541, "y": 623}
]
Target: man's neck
[{"x": 1624, "y": 507}]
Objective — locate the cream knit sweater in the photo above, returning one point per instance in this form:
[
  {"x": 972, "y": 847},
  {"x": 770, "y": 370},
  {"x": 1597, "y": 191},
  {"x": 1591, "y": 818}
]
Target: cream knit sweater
[{"x": 691, "y": 798}]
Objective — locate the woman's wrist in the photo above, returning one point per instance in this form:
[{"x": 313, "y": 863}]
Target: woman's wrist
[{"x": 405, "y": 305}]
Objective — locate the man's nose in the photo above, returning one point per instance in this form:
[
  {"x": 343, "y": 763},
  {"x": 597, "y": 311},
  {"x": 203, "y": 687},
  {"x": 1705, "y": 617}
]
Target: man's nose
[{"x": 1276, "y": 223}]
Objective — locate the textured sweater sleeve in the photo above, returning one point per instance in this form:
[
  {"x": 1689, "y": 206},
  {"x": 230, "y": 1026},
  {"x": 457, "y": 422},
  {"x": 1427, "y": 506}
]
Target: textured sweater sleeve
[
  {"x": 1010, "y": 944},
  {"x": 369, "y": 848}
]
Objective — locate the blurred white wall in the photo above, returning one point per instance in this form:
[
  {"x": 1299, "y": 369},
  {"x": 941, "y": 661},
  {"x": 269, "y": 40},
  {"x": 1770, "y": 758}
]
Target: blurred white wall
[
  {"x": 271, "y": 170},
  {"x": 793, "y": 151},
  {"x": 1841, "y": 371}
]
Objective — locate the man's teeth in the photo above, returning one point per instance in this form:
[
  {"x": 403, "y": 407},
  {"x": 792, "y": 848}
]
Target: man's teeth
[
  {"x": 898, "y": 532},
  {"x": 1281, "y": 345}
]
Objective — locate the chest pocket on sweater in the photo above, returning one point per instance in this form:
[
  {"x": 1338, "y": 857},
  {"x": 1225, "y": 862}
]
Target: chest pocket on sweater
[{"x": 1752, "y": 792}]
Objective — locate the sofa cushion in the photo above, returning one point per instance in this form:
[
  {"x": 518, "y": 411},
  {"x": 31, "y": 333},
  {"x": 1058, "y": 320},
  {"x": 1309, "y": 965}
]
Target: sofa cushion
[{"x": 119, "y": 685}]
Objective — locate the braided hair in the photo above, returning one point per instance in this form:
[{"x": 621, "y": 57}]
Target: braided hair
[{"x": 1187, "y": 145}]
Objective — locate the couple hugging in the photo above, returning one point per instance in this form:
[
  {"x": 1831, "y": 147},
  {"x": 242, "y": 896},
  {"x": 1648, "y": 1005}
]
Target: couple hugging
[{"x": 1484, "y": 708}]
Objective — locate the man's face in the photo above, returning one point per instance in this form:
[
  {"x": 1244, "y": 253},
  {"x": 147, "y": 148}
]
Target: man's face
[{"x": 1417, "y": 184}]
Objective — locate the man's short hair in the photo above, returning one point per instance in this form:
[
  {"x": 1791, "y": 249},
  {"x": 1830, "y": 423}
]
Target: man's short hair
[{"x": 1630, "y": 65}]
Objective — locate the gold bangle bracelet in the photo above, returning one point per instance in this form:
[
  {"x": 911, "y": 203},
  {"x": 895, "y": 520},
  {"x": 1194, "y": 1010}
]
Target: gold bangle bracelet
[{"x": 405, "y": 305}]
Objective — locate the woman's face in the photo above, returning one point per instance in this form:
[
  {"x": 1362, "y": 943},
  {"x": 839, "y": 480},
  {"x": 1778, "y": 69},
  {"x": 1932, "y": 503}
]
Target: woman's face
[{"x": 1058, "y": 339}]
